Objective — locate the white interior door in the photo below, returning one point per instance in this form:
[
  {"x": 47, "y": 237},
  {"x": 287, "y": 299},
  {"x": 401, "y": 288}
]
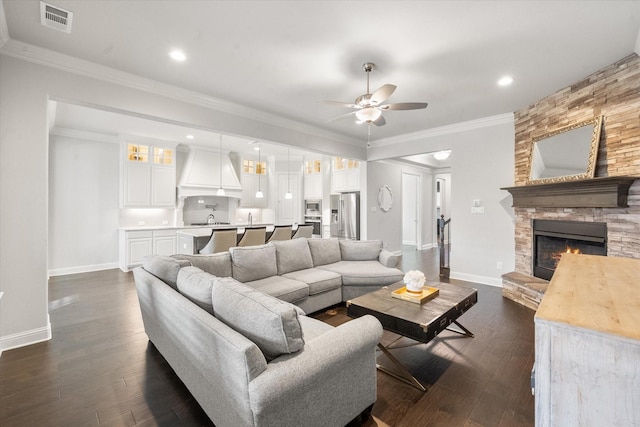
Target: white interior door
[{"x": 409, "y": 209}]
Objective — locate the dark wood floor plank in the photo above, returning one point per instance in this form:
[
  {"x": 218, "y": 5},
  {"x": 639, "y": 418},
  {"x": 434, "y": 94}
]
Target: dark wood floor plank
[{"x": 99, "y": 369}]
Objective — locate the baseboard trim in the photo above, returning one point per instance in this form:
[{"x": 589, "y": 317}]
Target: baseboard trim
[
  {"x": 25, "y": 338},
  {"x": 497, "y": 282},
  {"x": 429, "y": 246},
  {"x": 82, "y": 269}
]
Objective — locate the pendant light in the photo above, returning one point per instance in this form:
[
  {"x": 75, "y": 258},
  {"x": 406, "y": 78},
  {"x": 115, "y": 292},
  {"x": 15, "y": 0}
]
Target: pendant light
[
  {"x": 288, "y": 194},
  {"x": 220, "y": 191},
  {"x": 259, "y": 194}
]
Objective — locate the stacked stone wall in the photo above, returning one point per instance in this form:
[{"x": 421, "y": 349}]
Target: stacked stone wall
[{"x": 613, "y": 92}]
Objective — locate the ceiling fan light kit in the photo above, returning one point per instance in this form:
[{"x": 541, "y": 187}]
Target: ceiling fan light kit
[{"x": 369, "y": 106}]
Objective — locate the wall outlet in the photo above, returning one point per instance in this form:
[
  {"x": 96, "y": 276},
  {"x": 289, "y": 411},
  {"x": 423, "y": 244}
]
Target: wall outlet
[
  {"x": 374, "y": 209},
  {"x": 165, "y": 221},
  {"x": 499, "y": 265},
  {"x": 140, "y": 222}
]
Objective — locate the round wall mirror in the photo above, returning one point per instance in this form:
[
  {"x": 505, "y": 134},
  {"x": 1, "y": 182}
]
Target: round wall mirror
[{"x": 385, "y": 198}]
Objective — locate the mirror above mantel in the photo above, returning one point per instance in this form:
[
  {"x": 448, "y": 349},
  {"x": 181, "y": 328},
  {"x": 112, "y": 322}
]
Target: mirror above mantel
[{"x": 565, "y": 154}]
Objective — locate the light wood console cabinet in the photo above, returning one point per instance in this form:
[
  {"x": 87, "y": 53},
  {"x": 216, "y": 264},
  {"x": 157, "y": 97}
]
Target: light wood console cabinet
[{"x": 587, "y": 349}]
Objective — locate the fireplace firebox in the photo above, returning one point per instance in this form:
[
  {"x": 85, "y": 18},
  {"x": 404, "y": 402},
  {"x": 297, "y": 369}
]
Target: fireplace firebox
[{"x": 552, "y": 238}]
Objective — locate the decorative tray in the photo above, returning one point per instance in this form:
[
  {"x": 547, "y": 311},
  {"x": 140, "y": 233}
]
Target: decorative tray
[{"x": 427, "y": 294}]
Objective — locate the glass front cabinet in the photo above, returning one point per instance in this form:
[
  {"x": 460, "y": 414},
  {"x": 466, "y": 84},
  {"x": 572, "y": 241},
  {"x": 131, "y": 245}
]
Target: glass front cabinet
[{"x": 148, "y": 175}]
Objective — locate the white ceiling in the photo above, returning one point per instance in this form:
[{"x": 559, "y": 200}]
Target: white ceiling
[{"x": 285, "y": 57}]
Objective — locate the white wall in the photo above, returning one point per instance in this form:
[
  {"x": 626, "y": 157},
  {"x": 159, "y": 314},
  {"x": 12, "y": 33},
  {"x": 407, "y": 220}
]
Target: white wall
[
  {"x": 83, "y": 205},
  {"x": 26, "y": 88},
  {"x": 481, "y": 162},
  {"x": 387, "y": 226}
]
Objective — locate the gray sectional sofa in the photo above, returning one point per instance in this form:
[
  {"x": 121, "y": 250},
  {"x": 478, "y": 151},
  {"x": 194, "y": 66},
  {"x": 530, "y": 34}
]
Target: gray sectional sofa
[{"x": 233, "y": 328}]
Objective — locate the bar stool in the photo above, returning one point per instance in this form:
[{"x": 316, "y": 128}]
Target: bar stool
[
  {"x": 303, "y": 231},
  {"x": 221, "y": 241},
  {"x": 280, "y": 232},
  {"x": 253, "y": 236}
]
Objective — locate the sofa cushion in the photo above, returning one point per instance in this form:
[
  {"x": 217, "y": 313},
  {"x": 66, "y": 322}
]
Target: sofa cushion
[
  {"x": 253, "y": 262},
  {"x": 292, "y": 255},
  {"x": 196, "y": 285},
  {"x": 324, "y": 251},
  {"x": 270, "y": 323},
  {"x": 366, "y": 273},
  {"x": 217, "y": 264},
  {"x": 164, "y": 268},
  {"x": 286, "y": 289},
  {"x": 360, "y": 250},
  {"x": 317, "y": 279}
]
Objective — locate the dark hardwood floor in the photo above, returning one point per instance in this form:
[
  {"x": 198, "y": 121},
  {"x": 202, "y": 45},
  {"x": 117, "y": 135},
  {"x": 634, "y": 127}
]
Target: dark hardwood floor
[{"x": 99, "y": 368}]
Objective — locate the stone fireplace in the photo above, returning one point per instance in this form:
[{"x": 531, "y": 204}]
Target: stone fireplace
[{"x": 613, "y": 92}]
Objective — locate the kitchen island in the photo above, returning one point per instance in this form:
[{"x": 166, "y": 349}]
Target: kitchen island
[
  {"x": 136, "y": 242},
  {"x": 192, "y": 239}
]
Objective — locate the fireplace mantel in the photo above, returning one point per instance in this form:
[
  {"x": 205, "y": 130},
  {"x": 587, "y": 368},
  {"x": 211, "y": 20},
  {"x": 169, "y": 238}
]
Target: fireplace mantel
[{"x": 608, "y": 192}]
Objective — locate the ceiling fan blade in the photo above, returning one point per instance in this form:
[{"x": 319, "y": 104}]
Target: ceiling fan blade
[
  {"x": 404, "y": 106},
  {"x": 351, "y": 113},
  {"x": 380, "y": 122},
  {"x": 340, "y": 104},
  {"x": 382, "y": 93}
]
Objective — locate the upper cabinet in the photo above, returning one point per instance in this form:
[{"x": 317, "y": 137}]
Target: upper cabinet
[
  {"x": 345, "y": 175},
  {"x": 313, "y": 179},
  {"x": 148, "y": 175},
  {"x": 254, "y": 179}
]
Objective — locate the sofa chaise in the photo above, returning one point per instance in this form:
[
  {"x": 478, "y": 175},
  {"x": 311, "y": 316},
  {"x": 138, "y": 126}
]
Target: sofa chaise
[{"x": 246, "y": 351}]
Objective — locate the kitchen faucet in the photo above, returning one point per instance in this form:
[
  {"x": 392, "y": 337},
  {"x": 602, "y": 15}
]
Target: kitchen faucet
[
  {"x": 211, "y": 219},
  {"x": 250, "y": 219}
]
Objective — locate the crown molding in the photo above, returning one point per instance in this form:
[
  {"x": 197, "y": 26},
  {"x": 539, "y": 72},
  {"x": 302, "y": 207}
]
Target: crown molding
[
  {"x": 70, "y": 64},
  {"x": 84, "y": 135},
  {"x": 470, "y": 125}
]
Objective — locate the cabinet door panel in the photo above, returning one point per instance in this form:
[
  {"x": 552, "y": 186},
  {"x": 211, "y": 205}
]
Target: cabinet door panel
[
  {"x": 138, "y": 249},
  {"x": 164, "y": 245},
  {"x": 137, "y": 185},
  {"x": 163, "y": 187}
]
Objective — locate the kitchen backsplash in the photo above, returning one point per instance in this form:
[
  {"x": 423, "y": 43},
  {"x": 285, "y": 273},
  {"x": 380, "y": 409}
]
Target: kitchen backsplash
[{"x": 197, "y": 209}]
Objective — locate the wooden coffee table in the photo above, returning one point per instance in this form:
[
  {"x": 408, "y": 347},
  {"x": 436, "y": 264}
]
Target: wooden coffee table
[{"x": 420, "y": 322}]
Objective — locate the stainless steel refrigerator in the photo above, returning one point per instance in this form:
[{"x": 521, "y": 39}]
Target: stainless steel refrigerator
[{"x": 345, "y": 216}]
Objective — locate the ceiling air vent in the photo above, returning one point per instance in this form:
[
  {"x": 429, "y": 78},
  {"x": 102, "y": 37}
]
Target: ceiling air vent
[{"x": 56, "y": 18}]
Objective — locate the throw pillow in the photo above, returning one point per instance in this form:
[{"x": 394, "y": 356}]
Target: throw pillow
[
  {"x": 196, "y": 285},
  {"x": 251, "y": 263},
  {"x": 292, "y": 255},
  {"x": 272, "y": 324},
  {"x": 164, "y": 268},
  {"x": 217, "y": 264},
  {"x": 324, "y": 251},
  {"x": 360, "y": 250}
]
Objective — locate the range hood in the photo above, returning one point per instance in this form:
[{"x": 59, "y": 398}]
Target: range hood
[{"x": 201, "y": 175}]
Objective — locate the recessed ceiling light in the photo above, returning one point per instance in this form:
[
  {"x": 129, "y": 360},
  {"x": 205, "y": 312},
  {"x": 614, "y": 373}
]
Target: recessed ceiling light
[
  {"x": 505, "y": 81},
  {"x": 256, "y": 148},
  {"x": 177, "y": 55},
  {"x": 190, "y": 136}
]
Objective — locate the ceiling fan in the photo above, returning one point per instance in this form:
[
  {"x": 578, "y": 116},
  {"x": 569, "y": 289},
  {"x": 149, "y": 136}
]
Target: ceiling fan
[{"x": 369, "y": 106}]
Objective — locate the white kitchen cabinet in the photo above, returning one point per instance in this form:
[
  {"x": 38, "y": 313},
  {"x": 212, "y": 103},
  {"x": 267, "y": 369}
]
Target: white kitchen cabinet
[
  {"x": 137, "y": 244},
  {"x": 313, "y": 179},
  {"x": 134, "y": 246},
  {"x": 164, "y": 242},
  {"x": 148, "y": 176},
  {"x": 345, "y": 175},
  {"x": 254, "y": 178}
]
